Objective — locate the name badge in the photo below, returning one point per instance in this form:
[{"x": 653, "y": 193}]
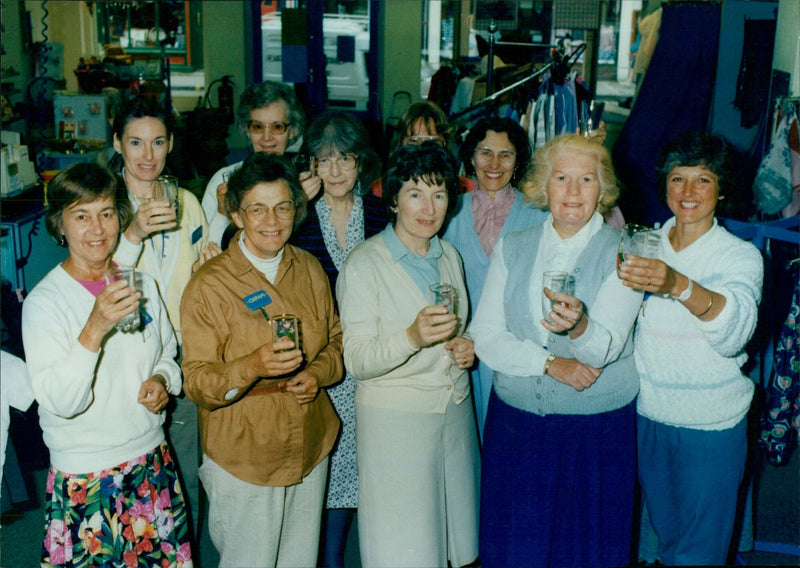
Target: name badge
[
  {"x": 197, "y": 234},
  {"x": 146, "y": 318},
  {"x": 257, "y": 300}
]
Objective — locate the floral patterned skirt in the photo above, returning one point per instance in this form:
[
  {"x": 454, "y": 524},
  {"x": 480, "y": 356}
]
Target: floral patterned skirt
[{"x": 131, "y": 515}]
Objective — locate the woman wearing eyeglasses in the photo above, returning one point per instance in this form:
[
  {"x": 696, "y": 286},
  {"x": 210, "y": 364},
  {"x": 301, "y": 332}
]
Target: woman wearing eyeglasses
[
  {"x": 496, "y": 151},
  {"x": 424, "y": 122},
  {"x": 341, "y": 218},
  {"x": 273, "y": 120},
  {"x": 266, "y": 426}
]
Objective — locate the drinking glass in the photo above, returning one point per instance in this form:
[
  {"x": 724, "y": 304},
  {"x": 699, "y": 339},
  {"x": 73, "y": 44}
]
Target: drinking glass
[
  {"x": 285, "y": 328},
  {"x": 133, "y": 279},
  {"x": 555, "y": 281},
  {"x": 638, "y": 240},
  {"x": 443, "y": 294},
  {"x": 303, "y": 163},
  {"x": 167, "y": 187}
]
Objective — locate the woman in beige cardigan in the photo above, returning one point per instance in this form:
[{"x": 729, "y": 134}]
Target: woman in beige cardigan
[{"x": 416, "y": 438}]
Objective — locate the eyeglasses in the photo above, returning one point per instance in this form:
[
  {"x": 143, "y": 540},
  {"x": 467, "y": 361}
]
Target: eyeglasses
[
  {"x": 419, "y": 139},
  {"x": 485, "y": 156},
  {"x": 346, "y": 162},
  {"x": 256, "y": 212},
  {"x": 276, "y": 128}
]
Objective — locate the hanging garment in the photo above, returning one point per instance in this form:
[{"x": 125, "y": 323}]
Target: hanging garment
[
  {"x": 687, "y": 48},
  {"x": 565, "y": 102},
  {"x": 752, "y": 85},
  {"x": 543, "y": 117},
  {"x": 780, "y": 422},
  {"x": 773, "y": 186}
]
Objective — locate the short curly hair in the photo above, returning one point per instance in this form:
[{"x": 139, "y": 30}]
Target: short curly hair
[
  {"x": 516, "y": 135},
  {"x": 534, "y": 182},
  {"x": 428, "y": 162},
  {"x": 85, "y": 182},
  {"x": 692, "y": 148},
  {"x": 264, "y": 168},
  {"x": 260, "y": 95}
]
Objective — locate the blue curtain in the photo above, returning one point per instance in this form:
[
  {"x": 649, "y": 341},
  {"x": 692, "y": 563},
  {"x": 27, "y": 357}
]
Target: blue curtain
[{"x": 675, "y": 95}]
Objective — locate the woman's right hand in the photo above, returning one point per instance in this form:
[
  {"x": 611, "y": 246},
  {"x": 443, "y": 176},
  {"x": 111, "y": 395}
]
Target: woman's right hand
[
  {"x": 222, "y": 189},
  {"x": 274, "y": 359},
  {"x": 113, "y": 303},
  {"x": 573, "y": 373},
  {"x": 432, "y": 325},
  {"x": 311, "y": 184},
  {"x": 151, "y": 217}
]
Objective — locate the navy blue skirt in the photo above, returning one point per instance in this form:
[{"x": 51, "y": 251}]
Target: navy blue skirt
[{"x": 557, "y": 490}]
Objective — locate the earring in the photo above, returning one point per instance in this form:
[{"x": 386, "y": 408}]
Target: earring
[
  {"x": 62, "y": 241},
  {"x": 358, "y": 186}
]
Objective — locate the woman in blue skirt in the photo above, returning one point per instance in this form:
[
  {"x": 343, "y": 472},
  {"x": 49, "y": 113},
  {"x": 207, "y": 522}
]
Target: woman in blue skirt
[{"x": 558, "y": 459}]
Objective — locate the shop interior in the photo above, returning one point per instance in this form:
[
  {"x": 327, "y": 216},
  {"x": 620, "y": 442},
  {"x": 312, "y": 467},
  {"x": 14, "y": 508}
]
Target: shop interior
[{"x": 735, "y": 71}]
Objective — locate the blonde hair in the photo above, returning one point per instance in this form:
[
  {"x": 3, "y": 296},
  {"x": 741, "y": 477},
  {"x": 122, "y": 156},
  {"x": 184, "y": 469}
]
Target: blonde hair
[{"x": 534, "y": 182}]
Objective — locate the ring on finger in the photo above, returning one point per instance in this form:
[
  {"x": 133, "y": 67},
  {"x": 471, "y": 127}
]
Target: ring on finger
[{"x": 649, "y": 280}]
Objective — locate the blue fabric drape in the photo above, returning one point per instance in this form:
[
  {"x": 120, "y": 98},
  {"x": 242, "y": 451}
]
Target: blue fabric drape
[{"x": 675, "y": 95}]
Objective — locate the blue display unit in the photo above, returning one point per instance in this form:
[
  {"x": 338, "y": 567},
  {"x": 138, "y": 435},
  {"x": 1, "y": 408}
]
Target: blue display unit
[{"x": 27, "y": 251}]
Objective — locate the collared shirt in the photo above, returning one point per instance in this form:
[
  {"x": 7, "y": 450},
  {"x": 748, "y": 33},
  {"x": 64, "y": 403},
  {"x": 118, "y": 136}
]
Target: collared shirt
[
  {"x": 490, "y": 215},
  {"x": 266, "y": 266},
  {"x": 558, "y": 253},
  {"x": 423, "y": 270},
  {"x": 264, "y": 438}
]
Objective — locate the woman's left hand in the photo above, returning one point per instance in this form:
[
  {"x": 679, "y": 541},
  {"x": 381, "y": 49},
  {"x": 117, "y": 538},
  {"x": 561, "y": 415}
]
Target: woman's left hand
[
  {"x": 462, "y": 349},
  {"x": 153, "y": 394},
  {"x": 568, "y": 314},
  {"x": 647, "y": 274},
  {"x": 311, "y": 184},
  {"x": 303, "y": 387}
]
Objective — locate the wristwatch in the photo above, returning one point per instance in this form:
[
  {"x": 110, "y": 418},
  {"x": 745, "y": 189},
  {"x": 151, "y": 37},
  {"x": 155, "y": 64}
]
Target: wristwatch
[
  {"x": 550, "y": 359},
  {"x": 686, "y": 293}
]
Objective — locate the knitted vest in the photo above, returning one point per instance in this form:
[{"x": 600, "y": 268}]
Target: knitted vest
[{"x": 542, "y": 394}]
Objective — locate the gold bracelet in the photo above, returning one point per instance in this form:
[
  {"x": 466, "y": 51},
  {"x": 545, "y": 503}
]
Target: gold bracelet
[
  {"x": 550, "y": 359},
  {"x": 710, "y": 303}
]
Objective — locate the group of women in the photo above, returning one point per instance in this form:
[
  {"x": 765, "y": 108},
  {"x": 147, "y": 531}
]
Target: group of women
[{"x": 491, "y": 431}]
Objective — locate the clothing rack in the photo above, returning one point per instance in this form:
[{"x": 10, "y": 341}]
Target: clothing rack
[
  {"x": 481, "y": 105},
  {"x": 760, "y": 233}
]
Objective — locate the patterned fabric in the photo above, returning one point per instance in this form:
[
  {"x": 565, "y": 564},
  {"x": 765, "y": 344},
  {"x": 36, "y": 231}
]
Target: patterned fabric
[
  {"x": 773, "y": 183},
  {"x": 354, "y": 233},
  {"x": 343, "y": 481},
  {"x": 130, "y": 515},
  {"x": 318, "y": 236},
  {"x": 343, "y": 475},
  {"x": 780, "y": 423}
]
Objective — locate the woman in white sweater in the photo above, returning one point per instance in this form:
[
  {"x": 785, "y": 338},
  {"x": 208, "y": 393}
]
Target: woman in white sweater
[
  {"x": 416, "y": 440},
  {"x": 113, "y": 495},
  {"x": 689, "y": 345}
]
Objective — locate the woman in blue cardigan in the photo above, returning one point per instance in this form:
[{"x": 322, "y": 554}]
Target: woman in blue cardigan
[{"x": 496, "y": 151}]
